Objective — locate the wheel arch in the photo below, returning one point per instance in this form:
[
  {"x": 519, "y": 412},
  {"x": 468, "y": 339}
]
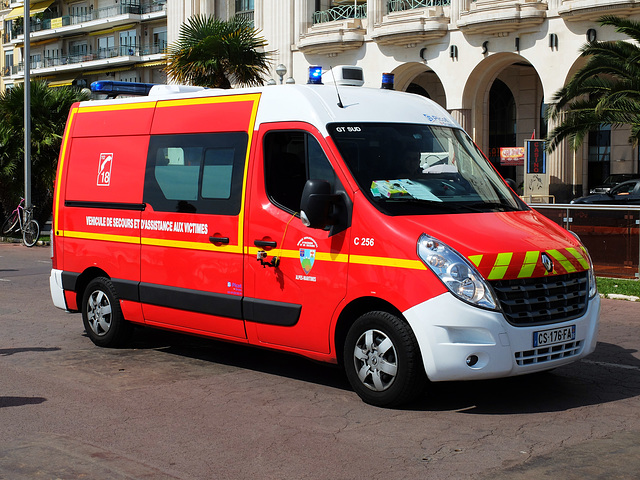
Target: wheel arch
[
  {"x": 84, "y": 279},
  {"x": 355, "y": 309}
]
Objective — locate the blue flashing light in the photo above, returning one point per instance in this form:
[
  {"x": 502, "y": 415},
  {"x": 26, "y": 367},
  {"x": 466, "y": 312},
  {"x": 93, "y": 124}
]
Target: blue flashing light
[
  {"x": 315, "y": 75},
  {"x": 112, "y": 89},
  {"x": 387, "y": 81}
]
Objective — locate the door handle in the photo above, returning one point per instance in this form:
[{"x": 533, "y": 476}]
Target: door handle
[
  {"x": 224, "y": 240},
  {"x": 265, "y": 243}
]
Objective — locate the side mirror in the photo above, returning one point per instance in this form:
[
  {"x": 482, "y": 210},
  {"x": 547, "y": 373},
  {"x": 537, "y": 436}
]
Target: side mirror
[
  {"x": 316, "y": 204},
  {"x": 512, "y": 183}
]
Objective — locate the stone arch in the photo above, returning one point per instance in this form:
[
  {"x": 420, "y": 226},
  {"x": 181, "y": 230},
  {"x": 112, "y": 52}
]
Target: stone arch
[{"x": 421, "y": 76}]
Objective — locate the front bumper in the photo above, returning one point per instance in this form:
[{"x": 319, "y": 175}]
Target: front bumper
[{"x": 450, "y": 331}]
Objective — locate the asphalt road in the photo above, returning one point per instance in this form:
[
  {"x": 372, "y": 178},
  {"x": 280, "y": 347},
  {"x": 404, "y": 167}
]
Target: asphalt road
[{"x": 176, "y": 407}]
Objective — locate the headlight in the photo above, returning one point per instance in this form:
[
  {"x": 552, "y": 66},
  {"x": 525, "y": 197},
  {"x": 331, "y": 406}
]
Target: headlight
[{"x": 461, "y": 277}]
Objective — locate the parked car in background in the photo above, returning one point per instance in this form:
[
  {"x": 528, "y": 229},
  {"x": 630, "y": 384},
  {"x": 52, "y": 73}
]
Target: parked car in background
[
  {"x": 626, "y": 193},
  {"x": 613, "y": 180}
]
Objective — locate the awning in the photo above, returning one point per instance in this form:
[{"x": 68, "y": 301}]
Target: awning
[
  {"x": 62, "y": 82},
  {"x": 35, "y": 8},
  {"x": 112, "y": 30},
  {"x": 109, "y": 70},
  {"x": 152, "y": 64}
]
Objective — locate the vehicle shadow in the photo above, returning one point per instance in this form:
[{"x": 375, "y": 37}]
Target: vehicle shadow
[
  {"x": 240, "y": 356},
  {"x": 610, "y": 374}
]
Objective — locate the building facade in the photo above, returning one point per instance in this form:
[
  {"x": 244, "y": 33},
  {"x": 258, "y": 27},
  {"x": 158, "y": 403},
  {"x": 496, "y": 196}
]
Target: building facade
[
  {"x": 494, "y": 64},
  {"x": 78, "y": 42}
]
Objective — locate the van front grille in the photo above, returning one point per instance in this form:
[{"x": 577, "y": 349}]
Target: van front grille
[
  {"x": 548, "y": 354},
  {"x": 540, "y": 301}
]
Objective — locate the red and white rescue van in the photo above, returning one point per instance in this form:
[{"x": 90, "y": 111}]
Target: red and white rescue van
[{"x": 349, "y": 225}]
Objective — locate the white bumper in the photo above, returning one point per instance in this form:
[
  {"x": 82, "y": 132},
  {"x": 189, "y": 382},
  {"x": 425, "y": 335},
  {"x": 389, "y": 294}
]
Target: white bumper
[
  {"x": 449, "y": 331},
  {"x": 57, "y": 292}
]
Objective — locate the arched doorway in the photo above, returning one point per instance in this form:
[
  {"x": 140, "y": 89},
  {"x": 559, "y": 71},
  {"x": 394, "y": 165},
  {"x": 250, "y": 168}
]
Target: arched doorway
[
  {"x": 503, "y": 127},
  {"x": 419, "y": 79}
]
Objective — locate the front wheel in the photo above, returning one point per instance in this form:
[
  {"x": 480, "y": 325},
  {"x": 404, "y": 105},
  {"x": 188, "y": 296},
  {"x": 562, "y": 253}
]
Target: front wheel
[
  {"x": 10, "y": 223},
  {"x": 30, "y": 233},
  {"x": 102, "y": 316},
  {"x": 382, "y": 360}
]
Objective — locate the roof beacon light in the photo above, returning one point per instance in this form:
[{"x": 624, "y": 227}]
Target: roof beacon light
[
  {"x": 387, "y": 81},
  {"x": 112, "y": 89},
  {"x": 315, "y": 75}
]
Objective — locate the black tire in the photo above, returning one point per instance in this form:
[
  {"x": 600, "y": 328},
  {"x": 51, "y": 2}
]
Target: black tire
[
  {"x": 102, "y": 316},
  {"x": 382, "y": 360},
  {"x": 31, "y": 233},
  {"x": 10, "y": 223}
]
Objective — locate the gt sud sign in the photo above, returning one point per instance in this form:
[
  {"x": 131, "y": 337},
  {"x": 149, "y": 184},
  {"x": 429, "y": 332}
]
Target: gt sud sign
[{"x": 536, "y": 178}]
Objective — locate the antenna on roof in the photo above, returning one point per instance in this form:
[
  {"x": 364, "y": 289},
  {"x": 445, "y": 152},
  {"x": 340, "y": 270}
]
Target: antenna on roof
[{"x": 336, "y": 84}]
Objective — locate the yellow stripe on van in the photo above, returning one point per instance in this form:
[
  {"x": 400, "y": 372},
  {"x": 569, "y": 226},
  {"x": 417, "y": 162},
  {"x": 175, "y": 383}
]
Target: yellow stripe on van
[
  {"x": 161, "y": 242},
  {"x": 529, "y": 265},
  {"x": 499, "y": 269},
  {"x": 388, "y": 262},
  {"x": 101, "y": 236},
  {"x": 116, "y": 107},
  {"x": 566, "y": 264},
  {"x": 476, "y": 259},
  {"x": 63, "y": 154},
  {"x": 581, "y": 260}
]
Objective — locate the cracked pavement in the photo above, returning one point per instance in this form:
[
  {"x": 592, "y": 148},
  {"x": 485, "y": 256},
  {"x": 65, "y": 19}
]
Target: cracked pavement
[{"x": 171, "y": 406}]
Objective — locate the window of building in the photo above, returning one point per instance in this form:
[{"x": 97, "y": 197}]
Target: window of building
[
  {"x": 244, "y": 6},
  {"x": 8, "y": 63},
  {"x": 199, "y": 173},
  {"x": 128, "y": 43},
  {"x": 599, "y": 158},
  {"x": 106, "y": 47},
  {"x": 159, "y": 40},
  {"x": 78, "y": 48}
]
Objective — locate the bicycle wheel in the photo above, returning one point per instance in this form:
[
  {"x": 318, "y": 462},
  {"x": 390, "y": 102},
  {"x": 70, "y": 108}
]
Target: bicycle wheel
[
  {"x": 30, "y": 233},
  {"x": 10, "y": 223}
]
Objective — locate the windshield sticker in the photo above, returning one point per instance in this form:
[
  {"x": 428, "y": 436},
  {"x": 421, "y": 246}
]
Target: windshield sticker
[
  {"x": 403, "y": 188},
  {"x": 438, "y": 120}
]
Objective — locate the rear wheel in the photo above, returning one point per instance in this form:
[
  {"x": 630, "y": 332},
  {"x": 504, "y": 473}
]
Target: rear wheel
[
  {"x": 31, "y": 233},
  {"x": 10, "y": 223},
  {"x": 382, "y": 360},
  {"x": 102, "y": 316}
]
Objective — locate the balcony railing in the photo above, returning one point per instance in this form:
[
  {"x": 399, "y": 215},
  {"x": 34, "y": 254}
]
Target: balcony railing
[
  {"x": 48, "y": 21},
  {"x": 100, "y": 54},
  {"x": 402, "y": 5},
  {"x": 248, "y": 14},
  {"x": 341, "y": 12}
]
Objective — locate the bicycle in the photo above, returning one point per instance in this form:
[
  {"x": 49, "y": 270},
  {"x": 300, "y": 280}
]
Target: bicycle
[{"x": 22, "y": 218}]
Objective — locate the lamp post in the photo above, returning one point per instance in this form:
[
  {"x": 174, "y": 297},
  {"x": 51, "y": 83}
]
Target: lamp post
[
  {"x": 27, "y": 105},
  {"x": 281, "y": 70}
]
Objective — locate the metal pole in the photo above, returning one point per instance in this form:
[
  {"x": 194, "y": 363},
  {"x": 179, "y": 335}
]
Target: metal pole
[{"x": 27, "y": 105}]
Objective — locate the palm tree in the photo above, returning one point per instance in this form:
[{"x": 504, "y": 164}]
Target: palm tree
[
  {"x": 214, "y": 53},
  {"x": 606, "y": 91},
  {"x": 49, "y": 111}
]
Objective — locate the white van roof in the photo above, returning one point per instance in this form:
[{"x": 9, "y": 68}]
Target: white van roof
[{"x": 318, "y": 104}]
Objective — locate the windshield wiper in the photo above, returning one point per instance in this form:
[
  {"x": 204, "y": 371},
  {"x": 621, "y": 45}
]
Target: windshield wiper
[{"x": 495, "y": 205}]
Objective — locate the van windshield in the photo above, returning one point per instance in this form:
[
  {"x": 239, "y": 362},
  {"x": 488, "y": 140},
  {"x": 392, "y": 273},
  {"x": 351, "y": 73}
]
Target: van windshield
[{"x": 414, "y": 169}]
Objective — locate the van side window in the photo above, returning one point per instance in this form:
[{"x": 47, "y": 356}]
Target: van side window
[
  {"x": 291, "y": 158},
  {"x": 197, "y": 173}
]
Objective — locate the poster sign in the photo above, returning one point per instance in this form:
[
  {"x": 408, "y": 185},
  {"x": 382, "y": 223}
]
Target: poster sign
[
  {"x": 512, "y": 156},
  {"x": 536, "y": 157}
]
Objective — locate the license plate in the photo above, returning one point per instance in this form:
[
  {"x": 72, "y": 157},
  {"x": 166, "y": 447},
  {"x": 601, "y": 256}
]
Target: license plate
[{"x": 555, "y": 335}]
